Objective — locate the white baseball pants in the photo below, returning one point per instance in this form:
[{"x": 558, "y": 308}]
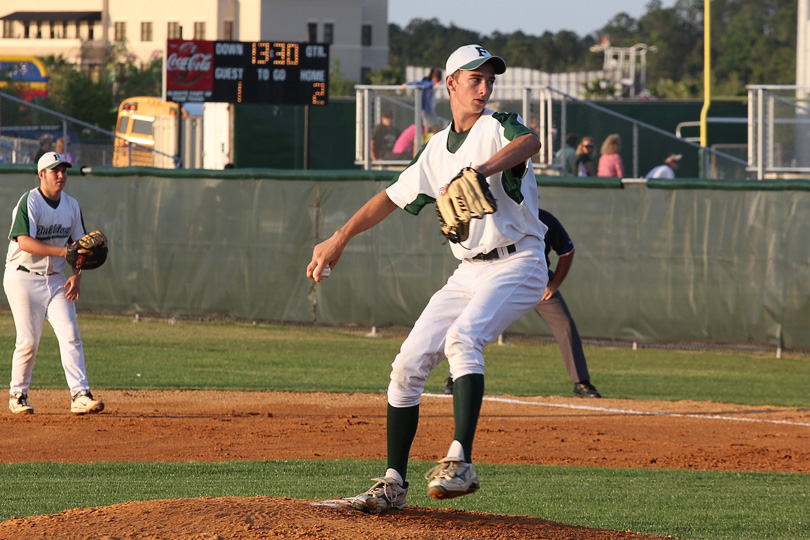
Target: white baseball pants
[
  {"x": 33, "y": 299},
  {"x": 479, "y": 301}
]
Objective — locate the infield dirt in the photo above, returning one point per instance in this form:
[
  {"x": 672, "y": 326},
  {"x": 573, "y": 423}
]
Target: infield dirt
[{"x": 219, "y": 426}]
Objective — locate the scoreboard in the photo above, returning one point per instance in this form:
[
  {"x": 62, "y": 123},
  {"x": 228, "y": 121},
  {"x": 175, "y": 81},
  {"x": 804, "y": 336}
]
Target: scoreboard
[{"x": 279, "y": 72}]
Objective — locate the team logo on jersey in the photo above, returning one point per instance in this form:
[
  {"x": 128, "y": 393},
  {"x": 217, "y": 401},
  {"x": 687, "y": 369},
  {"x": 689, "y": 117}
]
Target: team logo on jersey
[{"x": 54, "y": 231}]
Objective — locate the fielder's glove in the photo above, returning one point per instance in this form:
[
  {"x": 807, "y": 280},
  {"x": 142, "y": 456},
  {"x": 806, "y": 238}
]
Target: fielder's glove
[
  {"x": 96, "y": 245},
  {"x": 467, "y": 196}
]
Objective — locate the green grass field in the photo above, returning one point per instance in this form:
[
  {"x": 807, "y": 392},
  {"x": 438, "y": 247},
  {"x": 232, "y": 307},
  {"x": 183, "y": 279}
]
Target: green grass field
[{"x": 122, "y": 354}]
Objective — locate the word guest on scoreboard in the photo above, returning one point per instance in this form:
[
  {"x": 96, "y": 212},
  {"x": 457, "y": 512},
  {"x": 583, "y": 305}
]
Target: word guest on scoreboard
[{"x": 278, "y": 72}]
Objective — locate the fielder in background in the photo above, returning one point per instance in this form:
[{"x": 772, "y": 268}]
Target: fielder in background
[
  {"x": 554, "y": 311},
  {"x": 501, "y": 275},
  {"x": 44, "y": 222},
  {"x": 668, "y": 168}
]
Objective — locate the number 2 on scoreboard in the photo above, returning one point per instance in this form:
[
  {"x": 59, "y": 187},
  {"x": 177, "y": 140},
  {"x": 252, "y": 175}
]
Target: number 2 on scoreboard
[{"x": 320, "y": 91}]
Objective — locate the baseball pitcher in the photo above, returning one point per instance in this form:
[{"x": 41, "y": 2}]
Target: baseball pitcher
[{"x": 478, "y": 172}]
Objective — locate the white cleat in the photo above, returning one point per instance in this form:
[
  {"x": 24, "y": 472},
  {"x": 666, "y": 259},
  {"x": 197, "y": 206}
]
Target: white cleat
[
  {"x": 83, "y": 403},
  {"x": 18, "y": 404},
  {"x": 384, "y": 495},
  {"x": 451, "y": 478}
]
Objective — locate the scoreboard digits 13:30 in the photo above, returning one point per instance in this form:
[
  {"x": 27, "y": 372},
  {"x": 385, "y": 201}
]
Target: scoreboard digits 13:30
[{"x": 278, "y": 72}]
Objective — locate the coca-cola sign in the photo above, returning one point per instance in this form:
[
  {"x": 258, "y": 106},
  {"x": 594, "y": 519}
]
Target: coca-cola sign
[{"x": 189, "y": 70}]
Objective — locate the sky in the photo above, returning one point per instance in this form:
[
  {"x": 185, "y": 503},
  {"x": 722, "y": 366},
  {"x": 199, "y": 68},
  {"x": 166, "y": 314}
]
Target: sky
[{"x": 533, "y": 17}]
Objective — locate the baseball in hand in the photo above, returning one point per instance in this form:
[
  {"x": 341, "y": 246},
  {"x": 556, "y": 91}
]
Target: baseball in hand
[{"x": 326, "y": 272}]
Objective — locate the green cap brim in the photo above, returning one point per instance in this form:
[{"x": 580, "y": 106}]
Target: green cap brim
[{"x": 497, "y": 63}]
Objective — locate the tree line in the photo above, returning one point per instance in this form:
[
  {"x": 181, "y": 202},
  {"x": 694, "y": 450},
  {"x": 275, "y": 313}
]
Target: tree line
[{"x": 753, "y": 42}]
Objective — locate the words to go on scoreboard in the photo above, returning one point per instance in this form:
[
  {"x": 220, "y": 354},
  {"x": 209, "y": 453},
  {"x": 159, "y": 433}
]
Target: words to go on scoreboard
[{"x": 278, "y": 72}]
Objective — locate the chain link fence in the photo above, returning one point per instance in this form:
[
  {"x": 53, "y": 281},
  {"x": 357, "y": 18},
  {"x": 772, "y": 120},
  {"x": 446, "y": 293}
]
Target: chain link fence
[
  {"x": 27, "y": 130},
  {"x": 549, "y": 113},
  {"x": 779, "y": 131},
  {"x": 643, "y": 146}
]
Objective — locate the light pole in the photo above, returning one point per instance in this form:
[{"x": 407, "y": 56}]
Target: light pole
[{"x": 707, "y": 71}]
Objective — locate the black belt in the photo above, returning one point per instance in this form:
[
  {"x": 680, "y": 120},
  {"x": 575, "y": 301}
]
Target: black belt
[
  {"x": 494, "y": 253},
  {"x": 24, "y": 269}
]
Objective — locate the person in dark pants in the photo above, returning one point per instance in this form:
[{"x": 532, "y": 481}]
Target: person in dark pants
[{"x": 554, "y": 311}]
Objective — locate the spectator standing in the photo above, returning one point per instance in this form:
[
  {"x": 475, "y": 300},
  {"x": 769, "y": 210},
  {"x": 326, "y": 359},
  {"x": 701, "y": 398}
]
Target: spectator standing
[
  {"x": 429, "y": 84},
  {"x": 62, "y": 148},
  {"x": 584, "y": 161},
  {"x": 610, "y": 162},
  {"x": 668, "y": 168},
  {"x": 567, "y": 155},
  {"x": 45, "y": 145},
  {"x": 383, "y": 137},
  {"x": 403, "y": 147}
]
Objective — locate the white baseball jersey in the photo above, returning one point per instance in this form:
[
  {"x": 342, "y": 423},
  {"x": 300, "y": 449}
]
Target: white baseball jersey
[
  {"x": 482, "y": 297},
  {"x": 57, "y": 223},
  {"x": 662, "y": 171},
  {"x": 515, "y": 190}
]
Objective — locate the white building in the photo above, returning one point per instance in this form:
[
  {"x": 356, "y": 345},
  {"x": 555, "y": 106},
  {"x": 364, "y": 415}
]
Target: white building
[{"x": 82, "y": 31}]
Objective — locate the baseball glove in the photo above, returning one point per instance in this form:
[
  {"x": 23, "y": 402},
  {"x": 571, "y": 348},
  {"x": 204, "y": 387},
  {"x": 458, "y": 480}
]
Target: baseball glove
[
  {"x": 96, "y": 245},
  {"x": 467, "y": 196}
]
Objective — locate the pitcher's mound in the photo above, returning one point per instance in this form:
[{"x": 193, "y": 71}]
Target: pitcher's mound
[{"x": 257, "y": 518}]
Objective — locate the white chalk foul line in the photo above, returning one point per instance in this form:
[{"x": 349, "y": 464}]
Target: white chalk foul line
[{"x": 631, "y": 411}]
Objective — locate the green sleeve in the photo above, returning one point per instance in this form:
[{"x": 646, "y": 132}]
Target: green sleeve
[
  {"x": 21, "y": 226},
  {"x": 512, "y": 129},
  {"x": 422, "y": 200}
]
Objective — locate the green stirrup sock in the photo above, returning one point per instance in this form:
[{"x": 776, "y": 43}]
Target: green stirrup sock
[
  {"x": 402, "y": 424},
  {"x": 468, "y": 393}
]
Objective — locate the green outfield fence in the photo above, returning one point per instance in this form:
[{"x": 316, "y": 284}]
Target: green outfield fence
[{"x": 656, "y": 261}]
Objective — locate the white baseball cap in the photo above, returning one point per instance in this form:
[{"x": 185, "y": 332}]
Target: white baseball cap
[
  {"x": 471, "y": 57},
  {"x": 49, "y": 160},
  {"x": 674, "y": 157}
]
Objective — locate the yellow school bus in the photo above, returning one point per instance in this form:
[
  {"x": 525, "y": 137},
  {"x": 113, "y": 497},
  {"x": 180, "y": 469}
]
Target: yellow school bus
[{"x": 135, "y": 130}]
